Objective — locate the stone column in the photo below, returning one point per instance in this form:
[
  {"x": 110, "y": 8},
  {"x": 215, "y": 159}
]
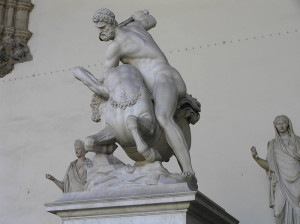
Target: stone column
[
  {"x": 2, "y": 4},
  {"x": 11, "y": 4},
  {"x": 2, "y": 14},
  {"x": 10, "y": 12},
  {"x": 23, "y": 9}
]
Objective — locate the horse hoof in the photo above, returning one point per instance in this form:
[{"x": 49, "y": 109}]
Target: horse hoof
[
  {"x": 89, "y": 143},
  {"x": 152, "y": 155},
  {"x": 149, "y": 155}
]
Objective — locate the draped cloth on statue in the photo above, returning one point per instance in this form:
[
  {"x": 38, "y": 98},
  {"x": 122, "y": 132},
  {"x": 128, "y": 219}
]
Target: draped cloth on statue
[
  {"x": 284, "y": 175},
  {"x": 75, "y": 177}
]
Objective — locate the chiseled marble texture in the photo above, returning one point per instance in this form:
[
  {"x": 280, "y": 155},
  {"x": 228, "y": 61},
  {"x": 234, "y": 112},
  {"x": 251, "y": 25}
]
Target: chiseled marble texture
[{"x": 108, "y": 172}]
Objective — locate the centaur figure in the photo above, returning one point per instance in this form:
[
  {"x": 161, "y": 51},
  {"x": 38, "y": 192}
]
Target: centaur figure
[
  {"x": 130, "y": 119},
  {"x": 131, "y": 44}
]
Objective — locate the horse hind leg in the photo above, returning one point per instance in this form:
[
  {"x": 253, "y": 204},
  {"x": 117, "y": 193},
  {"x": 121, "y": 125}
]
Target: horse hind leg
[
  {"x": 102, "y": 142},
  {"x": 133, "y": 124}
]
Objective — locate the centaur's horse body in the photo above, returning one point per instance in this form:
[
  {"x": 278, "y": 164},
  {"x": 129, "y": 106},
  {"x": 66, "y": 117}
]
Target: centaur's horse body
[{"x": 129, "y": 118}]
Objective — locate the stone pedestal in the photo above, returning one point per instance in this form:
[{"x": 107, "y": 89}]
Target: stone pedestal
[{"x": 168, "y": 204}]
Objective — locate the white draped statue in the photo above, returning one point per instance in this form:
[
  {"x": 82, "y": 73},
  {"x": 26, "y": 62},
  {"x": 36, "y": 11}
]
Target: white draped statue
[
  {"x": 283, "y": 169},
  {"x": 76, "y": 174}
]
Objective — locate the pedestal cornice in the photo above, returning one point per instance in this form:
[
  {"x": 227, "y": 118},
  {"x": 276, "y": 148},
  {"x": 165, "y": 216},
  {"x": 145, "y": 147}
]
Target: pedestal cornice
[{"x": 165, "y": 202}]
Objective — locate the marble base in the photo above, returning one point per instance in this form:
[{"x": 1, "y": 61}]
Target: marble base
[{"x": 168, "y": 204}]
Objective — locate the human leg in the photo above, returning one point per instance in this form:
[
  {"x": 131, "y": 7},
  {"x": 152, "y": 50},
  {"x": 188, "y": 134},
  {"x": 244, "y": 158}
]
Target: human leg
[{"x": 165, "y": 101}]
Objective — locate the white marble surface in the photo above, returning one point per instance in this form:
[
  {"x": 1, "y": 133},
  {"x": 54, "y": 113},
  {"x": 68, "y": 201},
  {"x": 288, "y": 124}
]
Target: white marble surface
[
  {"x": 171, "y": 203},
  {"x": 179, "y": 218},
  {"x": 108, "y": 172}
]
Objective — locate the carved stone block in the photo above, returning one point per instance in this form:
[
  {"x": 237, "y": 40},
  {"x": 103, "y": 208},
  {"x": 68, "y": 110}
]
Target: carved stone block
[
  {"x": 14, "y": 33},
  {"x": 168, "y": 204}
]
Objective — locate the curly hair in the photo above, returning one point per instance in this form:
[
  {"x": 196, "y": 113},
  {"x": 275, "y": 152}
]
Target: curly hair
[{"x": 105, "y": 15}]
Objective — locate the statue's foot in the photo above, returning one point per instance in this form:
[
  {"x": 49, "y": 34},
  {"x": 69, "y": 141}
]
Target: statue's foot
[
  {"x": 191, "y": 180},
  {"x": 152, "y": 155}
]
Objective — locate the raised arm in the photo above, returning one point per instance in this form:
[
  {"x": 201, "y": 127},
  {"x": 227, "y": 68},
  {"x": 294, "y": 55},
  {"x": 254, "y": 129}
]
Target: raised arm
[
  {"x": 144, "y": 19},
  {"x": 57, "y": 182},
  {"x": 263, "y": 163},
  {"x": 90, "y": 81}
]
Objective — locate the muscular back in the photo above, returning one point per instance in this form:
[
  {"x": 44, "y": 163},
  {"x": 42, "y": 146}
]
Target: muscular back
[
  {"x": 134, "y": 45},
  {"x": 139, "y": 47}
]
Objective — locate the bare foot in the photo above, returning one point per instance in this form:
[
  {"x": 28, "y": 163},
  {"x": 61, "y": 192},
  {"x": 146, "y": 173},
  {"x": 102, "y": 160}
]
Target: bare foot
[{"x": 191, "y": 180}]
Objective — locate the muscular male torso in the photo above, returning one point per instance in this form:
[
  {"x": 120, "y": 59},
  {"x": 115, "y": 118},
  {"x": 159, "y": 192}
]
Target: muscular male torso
[{"x": 136, "y": 47}]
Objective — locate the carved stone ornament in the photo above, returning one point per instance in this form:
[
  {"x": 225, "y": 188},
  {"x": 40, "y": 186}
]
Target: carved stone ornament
[{"x": 14, "y": 34}]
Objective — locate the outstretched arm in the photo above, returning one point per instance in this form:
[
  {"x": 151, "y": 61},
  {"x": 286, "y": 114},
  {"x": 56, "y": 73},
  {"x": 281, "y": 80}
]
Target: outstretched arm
[
  {"x": 144, "y": 19},
  {"x": 263, "y": 163},
  {"x": 57, "y": 182},
  {"x": 90, "y": 81}
]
